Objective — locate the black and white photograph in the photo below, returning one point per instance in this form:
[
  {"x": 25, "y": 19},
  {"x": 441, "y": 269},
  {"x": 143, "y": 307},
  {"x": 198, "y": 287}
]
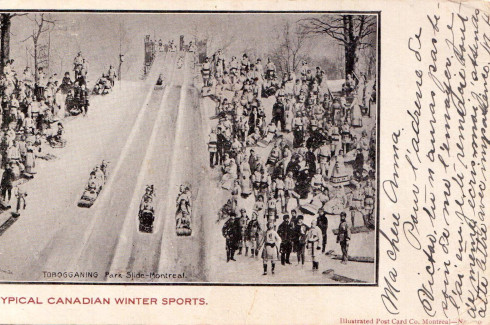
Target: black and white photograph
[{"x": 234, "y": 148}]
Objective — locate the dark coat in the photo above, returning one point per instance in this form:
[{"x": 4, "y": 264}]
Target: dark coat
[
  {"x": 299, "y": 233},
  {"x": 253, "y": 230},
  {"x": 231, "y": 230},
  {"x": 322, "y": 223},
  {"x": 285, "y": 232},
  {"x": 344, "y": 232},
  {"x": 278, "y": 109},
  {"x": 8, "y": 178}
]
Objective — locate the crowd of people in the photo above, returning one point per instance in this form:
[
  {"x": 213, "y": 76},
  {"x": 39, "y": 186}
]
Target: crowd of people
[
  {"x": 32, "y": 110},
  {"x": 313, "y": 156}
]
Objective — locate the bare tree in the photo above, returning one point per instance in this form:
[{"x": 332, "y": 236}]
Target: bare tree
[
  {"x": 5, "y": 21},
  {"x": 43, "y": 24},
  {"x": 277, "y": 56},
  {"x": 291, "y": 47},
  {"x": 215, "y": 44},
  {"x": 214, "y": 39},
  {"x": 292, "y": 44},
  {"x": 352, "y": 31}
]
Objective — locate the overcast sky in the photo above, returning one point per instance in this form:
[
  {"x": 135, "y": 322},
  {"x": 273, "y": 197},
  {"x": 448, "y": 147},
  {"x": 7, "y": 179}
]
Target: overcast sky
[{"x": 97, "y": 36}]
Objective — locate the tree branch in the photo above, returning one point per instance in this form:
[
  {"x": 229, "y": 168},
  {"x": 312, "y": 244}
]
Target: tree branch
[
  {"x": 30, "y": 36},
  {"x": 17, "y": 15},
  {"x": 332, "y": 26},
  {"x": 361, "y": 27},
  {"x": 28, "y": 17},
  {"x": 347, "y": 29}
]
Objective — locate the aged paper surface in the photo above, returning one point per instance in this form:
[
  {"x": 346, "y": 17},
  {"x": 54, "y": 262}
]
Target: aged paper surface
[{"x": 296, "y": 162}]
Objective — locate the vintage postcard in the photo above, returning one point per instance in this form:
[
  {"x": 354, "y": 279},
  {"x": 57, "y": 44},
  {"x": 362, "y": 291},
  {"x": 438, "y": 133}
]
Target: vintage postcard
[{"x": 244, "y": 162}]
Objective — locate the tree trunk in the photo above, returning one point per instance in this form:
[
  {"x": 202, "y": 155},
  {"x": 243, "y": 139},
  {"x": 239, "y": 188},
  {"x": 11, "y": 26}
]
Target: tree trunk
[
  {"x": 346, "y": 46},
  {"x": 5, "y": 40},
  {"x": 350, "y": 58},
  {"x": 36, "y": 74},
  {"x": 350, "y": 45},
  {"x": 295, "y": 62}
]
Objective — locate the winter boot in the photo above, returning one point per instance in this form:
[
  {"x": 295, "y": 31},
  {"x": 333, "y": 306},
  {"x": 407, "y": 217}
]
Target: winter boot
[
  {"x": 240, "y": 251},
  {"x": 246, "y": 251},
  {"x": 265, "y": 269},
  {"x": 273, "y": 267},
  {"x": 252, "y": 252}
]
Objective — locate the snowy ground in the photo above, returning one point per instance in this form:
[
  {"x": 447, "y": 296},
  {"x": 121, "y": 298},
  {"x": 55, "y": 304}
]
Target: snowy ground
[
  {"x": 150, "y": 136},
  {"x": 52, "y": 232},
  {"x": 249, "y": 270}
]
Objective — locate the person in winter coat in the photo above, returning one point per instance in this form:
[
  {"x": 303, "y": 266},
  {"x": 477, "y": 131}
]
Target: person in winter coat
[
  {"x": 84, "y": 99},
  {"x": 278, "y": 189},
  {"x": 6, "y": 184},
  {"x": 278, "y": 114},
  {"x": 231, "y": 232},
  {"x": 243, "y": 223},
  {"x": 206, "y": 72},
  {"x": 21, "y": 194},
  {"x": 272, "y": 207},
  {"x": 212, "y": 148},
  {"x": 314, "y": 243},
  {"x": 343, "y": 237},
  {"x": 253, "y": 235},
  {"x": 322, "y": 223},
  {"x": 111, "y": 74},
  {"x": 285, "y": 232},
  {"x": 271, "y": 244},
  {"x": 299, "y": 236},
  {"x": 30, "y": 160}
]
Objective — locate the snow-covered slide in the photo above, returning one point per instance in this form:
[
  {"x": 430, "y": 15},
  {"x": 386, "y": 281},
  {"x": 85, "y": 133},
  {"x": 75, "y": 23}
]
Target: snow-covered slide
[
  {"x": 138, "y": 251},
  {"x": 102, "y": 236},
  {"x": 180, "y": 254}
]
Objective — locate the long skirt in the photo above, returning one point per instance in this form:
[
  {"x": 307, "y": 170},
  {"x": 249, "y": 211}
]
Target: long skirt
[
  {"x": 312, "y": 251},
  {"x": 30, "y": 162},
  {"x": 356, "y": 116},
  {"x": 270, "y": 253},
  {"x": 252, "y": 243},
  {"x": 246, "y": 186}
]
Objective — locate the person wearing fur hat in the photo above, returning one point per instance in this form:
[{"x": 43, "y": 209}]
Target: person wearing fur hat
[
  {"x": 299, "y": 235},
  {"x": 243, "y": 222},
  {"x": 231, "y": 232},
  {"x": 322, "y": 223},
  {"x": 252, "y": 235},
  {"x": 343, "y": 237},
  {"x": 285, "y": 231}
]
